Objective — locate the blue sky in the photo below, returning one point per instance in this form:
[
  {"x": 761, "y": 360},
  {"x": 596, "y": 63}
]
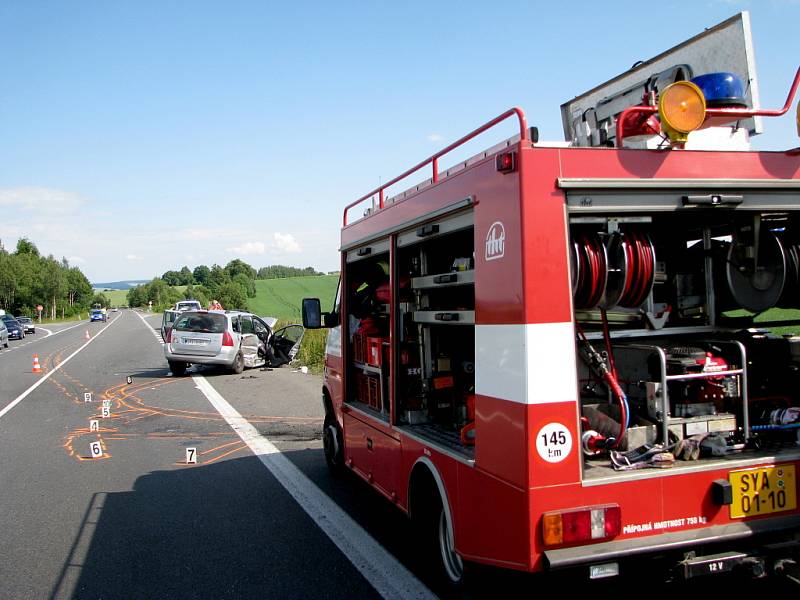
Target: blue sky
[{"x": 137, "y": 137}]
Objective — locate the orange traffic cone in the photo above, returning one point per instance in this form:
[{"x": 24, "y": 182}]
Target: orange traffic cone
[
  {"x": 87, "y": 334},
  {"x": 37, "y": 368}
]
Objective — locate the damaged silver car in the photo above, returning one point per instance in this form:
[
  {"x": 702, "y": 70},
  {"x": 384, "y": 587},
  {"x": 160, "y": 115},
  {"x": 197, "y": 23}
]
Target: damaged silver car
[{"x": 233, "y": 339}]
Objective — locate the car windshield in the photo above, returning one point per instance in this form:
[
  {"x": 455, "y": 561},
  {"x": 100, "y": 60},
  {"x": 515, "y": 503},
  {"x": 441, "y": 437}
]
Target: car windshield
[
  {"x": 203, "y": 323},
  {"x": 97, "y": 312},
  {"x": 23, "y": 319}
]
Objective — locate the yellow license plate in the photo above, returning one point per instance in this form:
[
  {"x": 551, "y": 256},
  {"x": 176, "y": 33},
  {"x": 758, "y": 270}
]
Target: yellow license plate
[{"x": 763, "y": 491}]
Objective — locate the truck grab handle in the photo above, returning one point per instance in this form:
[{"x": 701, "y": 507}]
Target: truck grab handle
[{"x": 524, "y": 136}]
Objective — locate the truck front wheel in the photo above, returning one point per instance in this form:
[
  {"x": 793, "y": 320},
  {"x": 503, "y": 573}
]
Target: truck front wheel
[{"x": 332, "y": 443}]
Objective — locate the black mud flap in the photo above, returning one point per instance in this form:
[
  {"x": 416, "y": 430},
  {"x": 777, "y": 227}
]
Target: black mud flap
[{"x": 725, "y": 562}]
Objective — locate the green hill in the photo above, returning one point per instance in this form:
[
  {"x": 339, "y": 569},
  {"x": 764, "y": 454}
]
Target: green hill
[
  {"x": 282, "y": 297},
  {"x": 115, "y": 297}
]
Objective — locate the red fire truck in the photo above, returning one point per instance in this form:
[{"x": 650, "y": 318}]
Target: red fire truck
[{"x": 582, "y": 355}]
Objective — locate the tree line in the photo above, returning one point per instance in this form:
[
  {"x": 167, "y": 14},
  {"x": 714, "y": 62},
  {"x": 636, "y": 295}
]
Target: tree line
[
  {"x": 28, "y": 279},
  {"x": 203, "y": 275},
  {"x": 230, "y": 285}
]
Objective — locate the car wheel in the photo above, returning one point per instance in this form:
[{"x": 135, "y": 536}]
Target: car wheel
[
  {"x": 238, "y": 363},
  {"x": 177, "y": 368}
]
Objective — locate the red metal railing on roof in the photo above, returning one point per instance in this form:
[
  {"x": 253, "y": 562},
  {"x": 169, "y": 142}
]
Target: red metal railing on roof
[{"x": 434, "y": 160}]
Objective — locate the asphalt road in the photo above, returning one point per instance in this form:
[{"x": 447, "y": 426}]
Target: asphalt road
[
  {"x": 139, "y": 522},
  {"x": 259, "y": 515}
]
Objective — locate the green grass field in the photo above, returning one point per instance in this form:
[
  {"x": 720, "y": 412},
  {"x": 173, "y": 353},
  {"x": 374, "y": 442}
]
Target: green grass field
[
  {"x": 282, "y": 298},
  {"x": 773, "y": 315},
  {"x": 115, "y": 297}
]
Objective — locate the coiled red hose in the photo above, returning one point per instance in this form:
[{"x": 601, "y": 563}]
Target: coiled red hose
[
  {"x": 592, "y": 269},
  {"x": 641, "y": 269}
]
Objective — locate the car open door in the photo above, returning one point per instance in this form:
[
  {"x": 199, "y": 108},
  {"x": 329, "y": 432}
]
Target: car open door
[{"x": 285, "y": 344}]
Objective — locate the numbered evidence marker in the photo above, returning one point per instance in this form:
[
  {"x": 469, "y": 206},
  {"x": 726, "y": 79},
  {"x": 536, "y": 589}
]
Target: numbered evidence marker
[
  {"x": 191, "y": 456},
  {"x": 107, "y": 403},
  {"x": 96, "y": 449},
  {"x": 106, "y": 412},
  {"x": 87, "y": 397},
  {"x": 129, "y": 380},
  {"x": 94, "y": 425}
]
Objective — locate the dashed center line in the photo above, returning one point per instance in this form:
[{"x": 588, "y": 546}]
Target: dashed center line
[{"x": 54, "y": 370}]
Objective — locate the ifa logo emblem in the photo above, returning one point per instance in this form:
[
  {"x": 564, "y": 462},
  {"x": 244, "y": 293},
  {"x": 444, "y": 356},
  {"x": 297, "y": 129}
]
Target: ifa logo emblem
[{"x": 495, "y": 241}]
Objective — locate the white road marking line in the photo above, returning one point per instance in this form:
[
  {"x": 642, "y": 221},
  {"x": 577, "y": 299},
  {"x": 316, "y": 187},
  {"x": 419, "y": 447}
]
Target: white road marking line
[
  {"x": 156, "y": 332},
  {"x": 47, "y": 376},
  {"x": 382, "y": 570}
]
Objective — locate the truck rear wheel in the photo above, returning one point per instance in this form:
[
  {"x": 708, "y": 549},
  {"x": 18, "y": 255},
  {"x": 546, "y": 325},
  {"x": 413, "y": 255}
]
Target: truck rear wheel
[
  {"x": 434, "y": 533},
  {"x": 452, "y": 564}
]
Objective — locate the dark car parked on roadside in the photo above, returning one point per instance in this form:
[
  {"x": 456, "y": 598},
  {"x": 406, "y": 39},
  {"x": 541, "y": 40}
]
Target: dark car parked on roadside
[{"x": 15, "y": 330}]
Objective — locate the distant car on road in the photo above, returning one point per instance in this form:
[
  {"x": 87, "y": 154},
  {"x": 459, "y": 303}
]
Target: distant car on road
[
  {"x": 184, "y": 305},
  {"x": 97, "y": 314},
  {"x": 3, "y": 334},
  {"x": 233, "y": 339},
  {"x": 27, "y": 323},
  {"x": 15, "y": 330}
]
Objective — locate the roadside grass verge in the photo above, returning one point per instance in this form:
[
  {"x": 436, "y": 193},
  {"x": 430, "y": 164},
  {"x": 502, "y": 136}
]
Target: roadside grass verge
[
  {"x": 282, "y": 298},
  {"x": 312, "y": 347}
]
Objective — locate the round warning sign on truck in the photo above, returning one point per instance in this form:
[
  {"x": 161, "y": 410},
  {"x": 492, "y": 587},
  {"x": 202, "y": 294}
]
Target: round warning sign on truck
[{"x": 554, "y": 442}]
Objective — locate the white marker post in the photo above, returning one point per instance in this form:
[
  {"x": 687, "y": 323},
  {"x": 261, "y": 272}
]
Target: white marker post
[
  {"x": 94, "y": 425},
  {"x": 106, "y": 412},
  {"x": 191, "y": 456},
  {"x": 87, "y": 397},
  {"x": 96, "y": 449}
]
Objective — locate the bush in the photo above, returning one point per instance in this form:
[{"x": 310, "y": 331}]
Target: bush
[{"x": 312, "y": 349}]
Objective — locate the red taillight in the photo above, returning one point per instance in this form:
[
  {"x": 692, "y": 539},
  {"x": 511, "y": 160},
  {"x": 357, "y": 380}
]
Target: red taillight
[
  {"x": 613, "y": 521},
  {"x": 227, "y": 339},
  {"x": 505, "y": 162},
  {"x": 577, "y": 526},
  {"x": 592, "y": 523}
]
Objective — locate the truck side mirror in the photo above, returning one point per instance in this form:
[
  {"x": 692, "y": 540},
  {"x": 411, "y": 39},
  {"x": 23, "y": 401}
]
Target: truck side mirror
[{"x": 312, "y": 313}]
